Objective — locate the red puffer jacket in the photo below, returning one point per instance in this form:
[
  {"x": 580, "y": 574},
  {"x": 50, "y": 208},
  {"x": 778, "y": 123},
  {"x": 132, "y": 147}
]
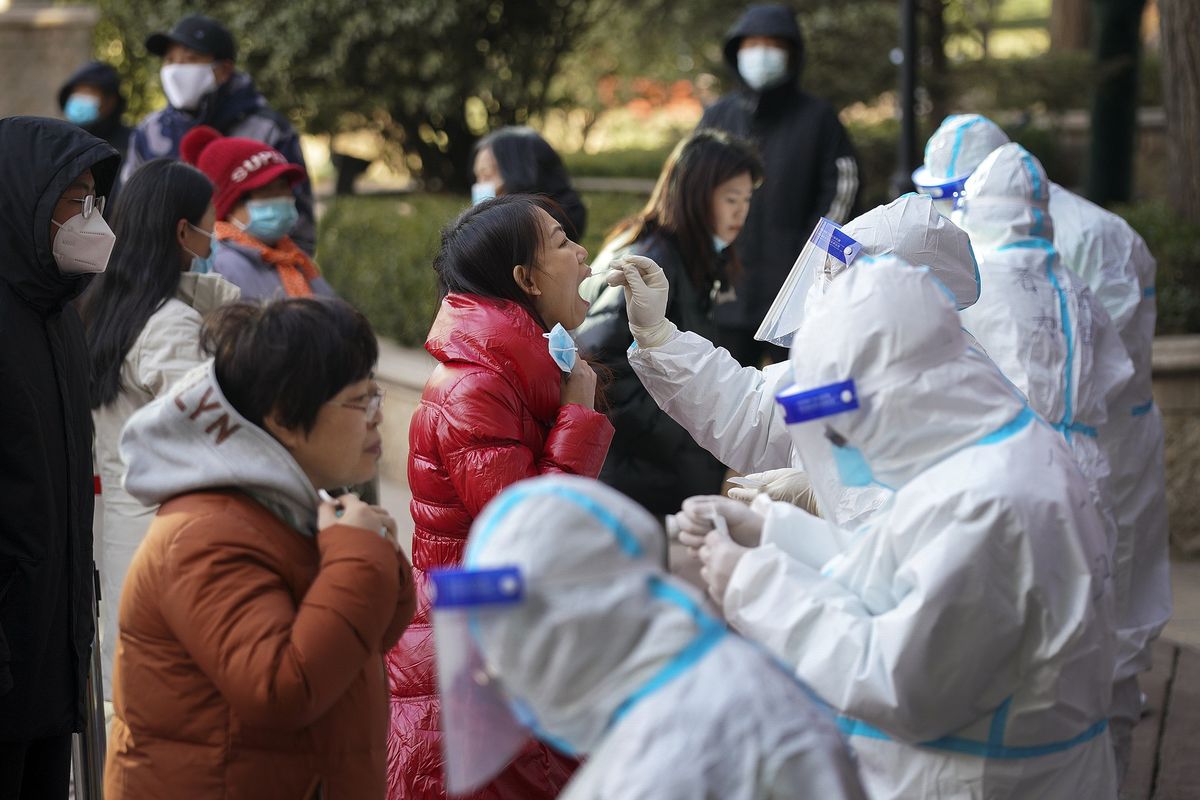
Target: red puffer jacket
[{"x": 489, "y": 417}]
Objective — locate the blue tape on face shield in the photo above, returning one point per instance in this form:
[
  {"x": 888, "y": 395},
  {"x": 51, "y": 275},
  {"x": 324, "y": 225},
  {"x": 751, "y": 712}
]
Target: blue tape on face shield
[
  {"x": 948, "y": 194},
  {"x": 562, "y": 348}
]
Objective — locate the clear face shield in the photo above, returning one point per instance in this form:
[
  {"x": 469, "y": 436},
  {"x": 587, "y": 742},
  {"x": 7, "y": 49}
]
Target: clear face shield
[
  {"x": 480, "y": 731},
  {"x": 827, "y": 244},
  {"x": 831, "y": 463}
]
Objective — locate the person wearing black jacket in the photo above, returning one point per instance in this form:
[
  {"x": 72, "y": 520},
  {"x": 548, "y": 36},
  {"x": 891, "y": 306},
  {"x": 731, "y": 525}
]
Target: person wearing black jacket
[
  {"x": 51, "y": 236},
  {"x": 688, "y": 227},
  {"x": 92, "y": 99},
  {"x": 811, "y": 167},
  {"x": 203, "y": 87}
]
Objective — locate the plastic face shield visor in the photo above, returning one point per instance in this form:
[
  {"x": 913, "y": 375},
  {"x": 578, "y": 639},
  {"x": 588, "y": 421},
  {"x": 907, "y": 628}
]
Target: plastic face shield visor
[
  {"x": 948, "y": 190},
  {"x": 812, "y": 417},
  {"x": 828, "y": 243},
  {"x": 480, "y": 732}
]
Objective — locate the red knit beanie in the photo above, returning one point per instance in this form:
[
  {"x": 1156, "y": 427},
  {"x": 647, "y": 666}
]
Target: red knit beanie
[{"x": 235, "y": 166}]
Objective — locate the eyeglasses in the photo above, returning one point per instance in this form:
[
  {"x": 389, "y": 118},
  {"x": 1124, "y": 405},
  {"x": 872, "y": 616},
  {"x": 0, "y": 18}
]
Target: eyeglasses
[
  {"x": 91, "y": 203},
  {"x": 371, "y": 409}
]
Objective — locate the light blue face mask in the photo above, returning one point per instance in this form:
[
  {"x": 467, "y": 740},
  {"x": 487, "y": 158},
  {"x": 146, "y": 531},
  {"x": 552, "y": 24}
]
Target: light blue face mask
[
  {"x": 719, "y": 244},
  {"x": 270, "y": 220},
  {"x": 481, "y": 192},
  {"x": 82, "y": 109},
  {"x": 852, "y": 466},
  {"x": 203, "y": 265},
  {"x": 562, "y": 348}
]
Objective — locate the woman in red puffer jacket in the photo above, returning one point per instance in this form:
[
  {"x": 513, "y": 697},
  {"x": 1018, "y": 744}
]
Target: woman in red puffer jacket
[{"x": 498, "y": 408}]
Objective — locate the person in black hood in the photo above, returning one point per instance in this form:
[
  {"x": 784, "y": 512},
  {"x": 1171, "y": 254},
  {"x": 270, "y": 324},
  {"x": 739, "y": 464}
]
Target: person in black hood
[
  {"x": 204, "y": 88},
  {"x": 810, "y": 167},
  {"x": 52, "y": 235},
  {"x": 92, "y": 99}
]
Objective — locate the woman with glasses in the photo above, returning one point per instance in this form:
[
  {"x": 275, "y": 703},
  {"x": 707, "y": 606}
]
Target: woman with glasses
[
  {"x": 142, "y": 318},
  {"x": 256, "y": 613}
]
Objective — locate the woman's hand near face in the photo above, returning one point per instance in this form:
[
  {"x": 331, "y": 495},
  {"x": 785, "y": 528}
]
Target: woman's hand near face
[
  {"x": 580, "y": 386},
  {"x": 356, "y": 514}
]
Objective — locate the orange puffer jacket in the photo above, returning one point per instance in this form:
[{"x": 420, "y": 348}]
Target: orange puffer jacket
[
  {"x": 489, "y": 417},
  {"x": 249, "y": 663}
]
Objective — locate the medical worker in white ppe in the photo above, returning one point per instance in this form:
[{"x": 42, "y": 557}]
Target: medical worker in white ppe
[
  {"x": 730, "y": 410},
  {"x": 1112, "y": 258},
  {"x": 965, "y": 632},
  {"x": 563, "y": 623}
]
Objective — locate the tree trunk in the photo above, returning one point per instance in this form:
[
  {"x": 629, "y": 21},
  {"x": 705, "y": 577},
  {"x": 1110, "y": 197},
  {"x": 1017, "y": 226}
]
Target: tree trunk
[
  {"x": 1070, "y": 24},
  {"x": 937, "y": 77},
  {"x": 1114, "y": 106},
  {"x": 1180, "y": 23}
]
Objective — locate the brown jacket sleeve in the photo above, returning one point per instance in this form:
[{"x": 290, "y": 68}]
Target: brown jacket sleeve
[
  {"x": 276, "y": 664},
  {"x": 406, "y": 604}
]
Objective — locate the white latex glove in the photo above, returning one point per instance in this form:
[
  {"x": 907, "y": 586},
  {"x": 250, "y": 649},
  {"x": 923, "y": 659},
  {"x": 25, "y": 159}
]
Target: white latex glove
[
  {"x": 646, "y": 291},
  {"x": 786, "y": 485},
  {"x": 696, "y": 519},
  {"x": 719, "y": 556}
]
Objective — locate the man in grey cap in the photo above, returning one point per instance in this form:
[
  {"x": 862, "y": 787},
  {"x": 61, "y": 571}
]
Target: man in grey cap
[{"x": 203, "y": 87}]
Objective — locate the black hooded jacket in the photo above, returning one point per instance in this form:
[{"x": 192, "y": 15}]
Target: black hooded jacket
[
  {"x": 111, "y": 129},
  {"x": 810, "y": 168},
  {"x": 46, "y": 490}
]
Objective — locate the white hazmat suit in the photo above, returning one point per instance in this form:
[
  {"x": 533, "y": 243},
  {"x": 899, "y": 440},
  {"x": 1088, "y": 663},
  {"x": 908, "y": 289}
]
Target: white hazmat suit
[
  {"x": 730, "y": 410},
  {"x": 1103, "y": 250},
  {"x": 1036, "y": 319},
  {"x": 609, "y": 656},
  {"x": 964, "y": 632}
]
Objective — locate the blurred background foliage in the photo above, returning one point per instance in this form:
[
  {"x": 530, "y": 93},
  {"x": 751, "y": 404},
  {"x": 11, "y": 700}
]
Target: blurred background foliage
[{"x": 613, "y": 84}]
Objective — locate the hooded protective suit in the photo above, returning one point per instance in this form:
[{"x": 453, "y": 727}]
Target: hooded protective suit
[
  {"x": 1037, "y": 320},
  {"x": 46, "y": 488},
  {"x": 964, "y": 633},
  {"x": 743, "y": 428},
  {"x": 613, "y": 658},
  {"x": 1101, "y": 248}
]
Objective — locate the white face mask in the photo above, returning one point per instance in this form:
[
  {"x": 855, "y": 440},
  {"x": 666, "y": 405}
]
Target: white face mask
[
  {"x": 762, "y": 67},
  {"x": 186, "y": 84},
  {"x": 83, "y": 245}
]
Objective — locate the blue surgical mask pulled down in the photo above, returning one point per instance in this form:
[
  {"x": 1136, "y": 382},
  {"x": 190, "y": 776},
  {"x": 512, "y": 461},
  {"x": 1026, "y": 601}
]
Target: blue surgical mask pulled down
[
  {"x": 270, "y": 220},
  {"x": 82, "y": 109},
  {"x": 719, "y": 244},
  {"x": 562, "y": 348}
]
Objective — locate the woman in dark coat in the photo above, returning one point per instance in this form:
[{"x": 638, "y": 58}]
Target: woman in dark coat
[{"x": 688, "y": 228}]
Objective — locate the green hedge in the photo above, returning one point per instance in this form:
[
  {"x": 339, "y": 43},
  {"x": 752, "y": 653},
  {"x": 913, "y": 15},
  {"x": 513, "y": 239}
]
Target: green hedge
[{"x": 378, "y": 252}]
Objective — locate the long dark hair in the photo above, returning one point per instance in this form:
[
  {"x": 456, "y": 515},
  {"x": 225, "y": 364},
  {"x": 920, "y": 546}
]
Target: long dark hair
[
  {"x": 529, "y": 165},
  {"x": 145, "y": 266},
  {"x": 681, "y": 203},
  {"x": 480, "y": 249}
]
